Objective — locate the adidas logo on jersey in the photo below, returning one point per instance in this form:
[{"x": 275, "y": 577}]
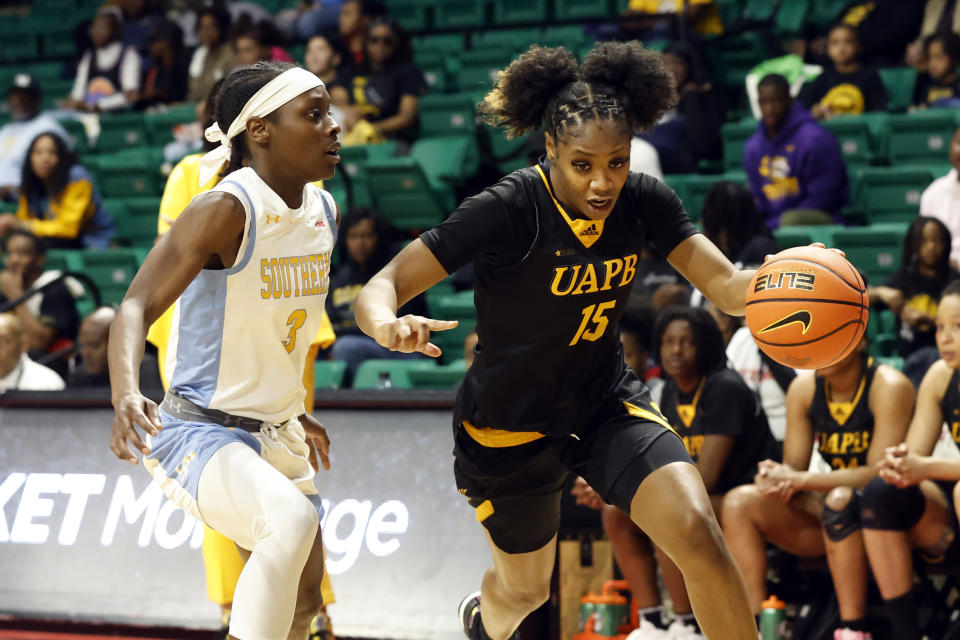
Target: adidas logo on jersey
[{"x": 590, "y": 231}]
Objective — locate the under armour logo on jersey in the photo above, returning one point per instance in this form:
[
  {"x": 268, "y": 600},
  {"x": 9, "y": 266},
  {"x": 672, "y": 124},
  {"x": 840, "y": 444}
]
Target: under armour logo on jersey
[
  {"x": 590, "y": 231},
  {"x": 271, "y": 219}
]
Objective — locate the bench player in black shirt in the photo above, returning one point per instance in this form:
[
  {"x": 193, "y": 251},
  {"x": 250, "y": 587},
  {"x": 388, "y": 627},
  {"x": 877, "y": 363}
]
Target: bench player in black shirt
[
  {"x": 912, "y": 504},
  {"x": 853, "y": 410},
  {"x": 555, "y": 249}
]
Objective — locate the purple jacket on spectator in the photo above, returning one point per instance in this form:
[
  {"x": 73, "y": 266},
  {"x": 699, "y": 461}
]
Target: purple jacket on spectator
[{"x": 800, "y": 168}]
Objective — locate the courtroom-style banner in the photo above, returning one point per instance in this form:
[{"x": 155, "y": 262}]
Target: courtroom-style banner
[{"x": 84, "y": 536}]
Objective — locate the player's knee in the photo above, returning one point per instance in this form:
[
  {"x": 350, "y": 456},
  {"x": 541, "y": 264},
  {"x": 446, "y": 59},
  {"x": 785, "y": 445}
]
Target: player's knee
[
  {"x": 309, "y": 604},
  {"x": 888, "y": 508},
  {"x": 616, "y": 523},
  {"x": 841, "y": 513},
  {"x": 531, "y": 596},
  {"x": 739, "y": 502},
  {"x": 296, "y": 519},
  {"x": 699, "y": 530}
]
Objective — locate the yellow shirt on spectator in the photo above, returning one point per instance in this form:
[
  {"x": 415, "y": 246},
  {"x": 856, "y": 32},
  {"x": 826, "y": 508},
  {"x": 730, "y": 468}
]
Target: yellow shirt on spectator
[{"x": 709, "y": 25}]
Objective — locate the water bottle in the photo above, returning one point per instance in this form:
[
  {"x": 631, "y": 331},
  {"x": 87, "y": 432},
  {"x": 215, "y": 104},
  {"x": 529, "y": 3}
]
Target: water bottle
[
  {"x": 772, "y": 619},
  {"x": 383, "y": 380}
]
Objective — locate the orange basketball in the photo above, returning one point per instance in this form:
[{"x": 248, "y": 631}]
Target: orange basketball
[{"x": 807, "y": 307}]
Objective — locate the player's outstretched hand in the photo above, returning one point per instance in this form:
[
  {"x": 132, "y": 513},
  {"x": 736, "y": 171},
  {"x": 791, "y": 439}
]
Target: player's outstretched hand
[
  {"x": 131, "y": 411},
  {"x": 411, "y": 333},
  {"x": 586, "y": 495},
  {"x": 317, "y": 440}
]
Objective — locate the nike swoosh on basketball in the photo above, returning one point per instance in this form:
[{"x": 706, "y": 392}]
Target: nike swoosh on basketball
[{"x": 803, "y": 317}]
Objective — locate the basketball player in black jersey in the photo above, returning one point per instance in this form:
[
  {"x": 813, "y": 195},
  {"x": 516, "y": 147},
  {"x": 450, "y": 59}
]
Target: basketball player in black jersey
[
  {"x": 555, "y": 249},
  {"x": 912, "y": 504},
  {"x": 852, "y": 410}
]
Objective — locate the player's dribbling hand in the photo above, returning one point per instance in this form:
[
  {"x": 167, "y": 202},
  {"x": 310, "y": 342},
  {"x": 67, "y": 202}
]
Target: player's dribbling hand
[
  {"x": 317, "y": 440},
  {"x": 131, "y": 411},
  {"x": 411, "y": 334},
  {"x": 818, "y": 245}
]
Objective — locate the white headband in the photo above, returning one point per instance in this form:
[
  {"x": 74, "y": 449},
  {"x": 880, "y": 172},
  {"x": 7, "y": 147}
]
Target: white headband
[{"x": 273, "y": 95}]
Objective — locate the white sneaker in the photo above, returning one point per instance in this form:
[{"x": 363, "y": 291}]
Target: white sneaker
[
  {"x": 680, "y": 631},
  {"x": 648, "y": 631},
  {"x": 849, "y": 634}
]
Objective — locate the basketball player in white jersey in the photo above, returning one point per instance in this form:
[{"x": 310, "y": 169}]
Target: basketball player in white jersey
[{"x": 247, "y": 264}]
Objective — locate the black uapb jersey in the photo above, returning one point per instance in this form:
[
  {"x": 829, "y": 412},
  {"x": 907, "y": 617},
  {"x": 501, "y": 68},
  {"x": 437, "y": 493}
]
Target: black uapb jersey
[
  {"x": 950, "y": 405},
  {"x": 550, "y": 290},
  {"x": 844, "y": 430}
]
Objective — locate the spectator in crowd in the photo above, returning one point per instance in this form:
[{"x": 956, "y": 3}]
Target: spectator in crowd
[
  {"x": 941, "y": 200},
  {"x": 260, "y": 41},
  {"x": 913, "y": 290},
  {"x": 885, "y": 28},
  {"x": 17, "y": 371},
  {"x": 939, "y": 16},
  {"x": 846, "y": 86},
  {"x": 166, "y": 78},
  {"x": 385, "y": 90},
  {"x": 365, "y": 247},
  {"x": 731, "y": 221},
  {"x": 315, "y": 16},
  {"x": 48, "y": 318},
  {"x": 213, "y": 59},
  {"x": 354, "y": 22},
  {"x": 720, "y": 422},
  {"x": 58, "y": 201},
  {"x": 940, "y": 85},
  {"x": 852, "y": 410},
  {"x": 911, "y": 505},
  {"x": 91, "y": 370},
  {"x": 24, "y": 96},
  {"x": 140, "y": 21},
  {"x": 326, "y": 55},
  {"x": 656, "y": 19},
  {"x": 108, "y": 75},
  {"x": 690, "y": 132},
  {"x": 794, "y": 165}
]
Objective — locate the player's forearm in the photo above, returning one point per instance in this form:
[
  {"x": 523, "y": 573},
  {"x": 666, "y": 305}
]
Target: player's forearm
[
  {"x": 826, "y": 482},
  {"x": 128, "y": 333},
  {"x": 938, "y": 469},
  {"x": 376, "y": 304},
  {"x": 735, "y": 293}
]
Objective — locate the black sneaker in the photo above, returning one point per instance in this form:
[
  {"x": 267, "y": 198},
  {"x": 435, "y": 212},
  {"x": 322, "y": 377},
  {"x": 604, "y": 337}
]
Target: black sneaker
[{"x": 469, "y": 615}]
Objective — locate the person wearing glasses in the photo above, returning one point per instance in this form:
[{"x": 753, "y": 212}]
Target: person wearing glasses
[{"x": 383, "y": 92}]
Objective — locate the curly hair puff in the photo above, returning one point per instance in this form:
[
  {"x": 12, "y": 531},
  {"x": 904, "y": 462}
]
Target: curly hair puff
[{"x": 620, "y": 81}]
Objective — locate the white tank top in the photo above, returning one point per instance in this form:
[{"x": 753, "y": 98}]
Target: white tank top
[{"x": 240, "y": 336}]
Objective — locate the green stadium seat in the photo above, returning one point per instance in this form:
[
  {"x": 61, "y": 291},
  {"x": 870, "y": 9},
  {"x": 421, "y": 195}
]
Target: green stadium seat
[
  {"x": 160, "y": 124},
  {"x": 507, "y": 153},
  {"x": 513, "y": 12},
  {"x": 757, "y": 10},
  {"x": 133, "y": 172},
  {"x": 446, "y": 43},
  {"x": 121, "y": 131},
  {"x": 899, "y": 82},
  {"x": 735, "y": 136},
  {"x": 505, "y": 39},
  {"x": 890, "y": 194},
  {"x": 853, "y": 134},
  {"x": 479, "y": 68},
  {"x": 22, "y": 46},
  {"x": 112, "y": 270},
  {"x": 78, "y": 132},
  {"x": 574, "y": 9},
  {"x": 571, "y": 36},
  {"x": 876, "y": 249},
  {"x": 791, "y": 18},
  {"x": 44, "y": 71},
  {"x": 59, "y": 44},
  {"x": 411, "y": 14},
  {"x": 451, "y": 341},
  {"x": 328, "y": 374},
  {"x": 56, "y": 90},
  {"x": 800, "y": 236},
  {"x": 882, "y": 332},
  {"x": 453, "y": 160},
  {"x": 453, "y": 306},
  {"x": 433, "y": 64},
  {"x": 64, "y": 260},
  {"x": 824, "y": 12},
  {"x": 440, "y": 377},
  {"x": 137, "y": 220},
  {"x": 921, "y": 137},
  {"x": 372, "y": 373},
  {"x": 692, "y": 190},
  {"x": 891, "y": 361},
  {"x": 457, "y": 14},
  {"x": 446, "y": 115},
  {"x": 402, "y": 191}
]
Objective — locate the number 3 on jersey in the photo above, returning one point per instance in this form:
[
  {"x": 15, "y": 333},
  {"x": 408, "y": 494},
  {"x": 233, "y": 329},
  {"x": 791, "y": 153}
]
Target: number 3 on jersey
[
  {"x": 294, "y": 321},
  {"x": 597, "y": 315}
]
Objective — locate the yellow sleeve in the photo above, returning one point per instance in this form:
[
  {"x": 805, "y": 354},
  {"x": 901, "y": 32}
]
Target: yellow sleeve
[
  {"x": 176, "y": 194},
  {"x": 22, "y": 212},
  {"x": 325, "y": 336},
  {"x": 69, "y": 212}
]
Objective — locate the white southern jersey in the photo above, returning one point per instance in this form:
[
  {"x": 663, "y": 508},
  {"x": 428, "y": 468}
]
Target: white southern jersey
[{"x": 240, "y": 336}]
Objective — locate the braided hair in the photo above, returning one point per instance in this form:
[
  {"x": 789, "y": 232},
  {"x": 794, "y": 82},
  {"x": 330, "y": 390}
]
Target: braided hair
[
  {"x": 618, "y": 81},
  {"x": 237, "y": 89}
]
